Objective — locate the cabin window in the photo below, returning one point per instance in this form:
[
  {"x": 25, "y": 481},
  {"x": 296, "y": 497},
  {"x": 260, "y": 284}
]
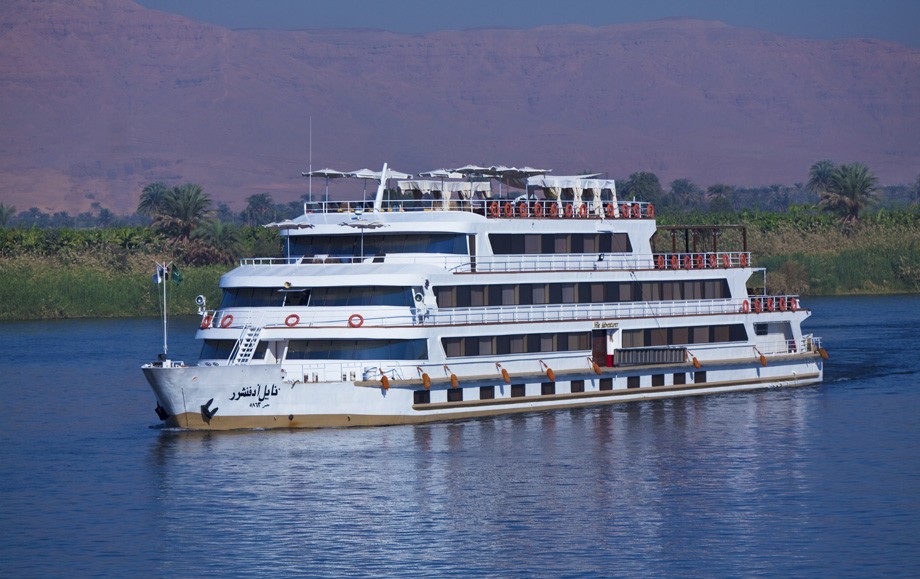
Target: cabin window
[
  {"x": 361, "y": 296},
  {"x": 760, "y": 329},
  {"x": 421, "y": 397},
  {"x": 358, "y": 350},
  {"x": 680, "y": 378},
  {"x": 699, "y": 377},
  {"x": 486, "y": 392},
  {"x": 577, "y": 386},
  {"x": 632, "y": 382},
  {"x": 559, "y": 243},
  {"x": 606, "y": 384},
  {"x": 517, "y": 390},
  {"x": 455, "y": 395},
  {"x": 348, "y": 246},
  {"x": 657, "y": 379},
  {"x": 653, "y": 337},
  {"x": 251, "y": 297},
  {"x": 547, "y": 388},
  {"x": 217, "y": 349}
]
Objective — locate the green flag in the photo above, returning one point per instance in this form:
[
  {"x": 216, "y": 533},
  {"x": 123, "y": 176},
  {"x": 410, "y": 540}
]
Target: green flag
[{"x": 176, "y": 275}]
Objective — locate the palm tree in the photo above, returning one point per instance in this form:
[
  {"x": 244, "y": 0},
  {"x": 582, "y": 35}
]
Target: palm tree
[
  {"x": 6, "y": 211},
  {"x": 259, "y": 209},
  {"x": 153, "y": 196},
  {"x": 819, "y": 177},
  {"x": 223, "y": 238},
  {"x": 184, "y": 209},
  {"x": 849, "y": 190},
  {"x": 719, "y": 197}
]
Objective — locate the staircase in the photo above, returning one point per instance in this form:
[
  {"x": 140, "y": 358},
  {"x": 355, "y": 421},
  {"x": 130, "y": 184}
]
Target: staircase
[{"x": 245, "y": 346}]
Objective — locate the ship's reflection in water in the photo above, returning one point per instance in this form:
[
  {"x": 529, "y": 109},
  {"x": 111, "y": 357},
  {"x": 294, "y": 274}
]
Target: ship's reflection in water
[{"x": 635, "y": 487}]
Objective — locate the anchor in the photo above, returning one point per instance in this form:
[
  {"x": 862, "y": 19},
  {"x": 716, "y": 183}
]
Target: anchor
[
  {"x": 161, "y": 412},
  {"x": 206, "y": 412}
]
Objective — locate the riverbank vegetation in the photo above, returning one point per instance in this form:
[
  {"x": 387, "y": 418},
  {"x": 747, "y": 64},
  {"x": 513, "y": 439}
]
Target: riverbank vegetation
[{"x": 839, "y": 233}]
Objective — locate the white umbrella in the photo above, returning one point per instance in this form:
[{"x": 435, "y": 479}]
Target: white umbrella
[
  {"x": 328, "y": 174},
  {"x": 368, "y": 174}
]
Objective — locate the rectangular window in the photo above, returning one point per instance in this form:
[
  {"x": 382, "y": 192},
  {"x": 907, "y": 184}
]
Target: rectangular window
[
  {"x": 446, "y": 297},
  {"x": 471, "y": 346},
  {"x": 455, "y": 395},
  {"x": 463, "y": 296},
  {"x": 700, "y": 335},
  {"x": 606, "y": 384},
  {"x": 539, "y": 294},
  {"x": 532, "y": 244},
  {"x": 760, "y": 329},
  {"x": 517, "y": 390},
  {"x": 487, "y": 392},
  {"x": 495, "y": 295},
  {"x": 561, "y": 244},
  {"x": 680, "y": 335},
  {"x": 621, "y": 243},
  {"x": 633, "y": 339},
  {"x": 632, "y": 382},
  {"x": 699, "y": 377},
  {"x": 518, "y": 344},
  {"x": 486, "y": 346},
  {"x": 453, "y": 347},
  {"x": 421, "y": 397},
  {"x": 577, "y": 386},
  {"x": 626, "y": 294},
  {"x": 680, "y": 378},
  {"x": 547, "y": 388},
  {"x": 509, "y": 295},
  {"x": 502, "y": 345},
  {"x": 659, "y": 337},
  {"x": 720, "y": 334},
  {"x": 477, "y": 296},
  {"x": 657, "y": 379}
]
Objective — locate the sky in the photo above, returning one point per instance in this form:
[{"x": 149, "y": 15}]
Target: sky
[{"x": 895, "y": 20}]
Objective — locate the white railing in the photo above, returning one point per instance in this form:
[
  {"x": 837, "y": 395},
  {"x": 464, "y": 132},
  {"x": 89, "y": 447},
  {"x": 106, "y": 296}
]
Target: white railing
[
  {"x": 598, "y": 261},
  {"x": 335, "y": 317}
]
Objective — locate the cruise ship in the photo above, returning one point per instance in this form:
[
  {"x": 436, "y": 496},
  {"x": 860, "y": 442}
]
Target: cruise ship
[{"x": 452, "y": 300}]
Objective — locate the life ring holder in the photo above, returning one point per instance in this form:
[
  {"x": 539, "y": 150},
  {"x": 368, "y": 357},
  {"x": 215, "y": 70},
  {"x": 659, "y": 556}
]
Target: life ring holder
[
  {"x": 292, "y": 320},
  {"x": 355, "y": 321},
  {"x": 206, "y": 321},
  {"x": 226, "y": 321}
]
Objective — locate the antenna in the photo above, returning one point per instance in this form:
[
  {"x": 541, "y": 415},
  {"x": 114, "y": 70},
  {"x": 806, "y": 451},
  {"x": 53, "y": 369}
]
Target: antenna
[{"x": 310, "y": 180}]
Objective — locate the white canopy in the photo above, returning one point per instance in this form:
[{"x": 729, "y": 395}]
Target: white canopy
[{"x": 577, "y": 184}]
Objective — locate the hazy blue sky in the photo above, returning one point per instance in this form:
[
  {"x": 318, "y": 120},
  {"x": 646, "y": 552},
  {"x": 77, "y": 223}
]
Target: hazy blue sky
[{"x": 897, "y": 20}]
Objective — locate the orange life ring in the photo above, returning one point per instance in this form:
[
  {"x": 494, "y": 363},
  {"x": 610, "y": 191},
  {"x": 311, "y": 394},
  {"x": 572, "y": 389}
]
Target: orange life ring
[
  {"x": 226, "y": 321},
  {"x": 699, "y": 261},
  {"x": 292, "y": 320},
  {"x": 583, "y": 211},
  {"x": 538, "y": 209},
  {"x": 687, "y": 261},
  {"x": 745, "y": 307},
  {"x": 713, "y": 260},
  {"x": 660, "y": 262},
  {"x": 793, "y": 304},
  {"x": 744, "y": 260},
  {"x": 493, "y": 209},
  {"x": 726, "y": 260},
  {"x": 636, "y": 211},
  {"x": 509, "y": 209},
  {"x": 611, "y": 210},
  {"x": 782, "y": 304},
  {"x": 523, "y": 210},
  {"x": 650, "y": 211},
  {"x": 206, "y": 321},
  {"x": 569, "y": 210},
  {"x": 355, "y": 321},
  {"x": 758, "y": 305},
  {"x": 554, "y": 210},
  {"x": 675, "y": 262},
  {"x": 624, "y": 211},
  {"x": 771, "y": 304}
]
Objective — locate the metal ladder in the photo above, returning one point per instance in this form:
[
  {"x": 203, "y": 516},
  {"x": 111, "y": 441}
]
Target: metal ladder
[{"x": 245, "y": 346}]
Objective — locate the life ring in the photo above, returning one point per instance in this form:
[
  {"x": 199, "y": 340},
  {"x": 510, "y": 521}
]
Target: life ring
[
  {"x": 493, "y": 209},
  {"x": 624, "y": 211},
  {"x": 726, "y": 260},
  {"x": 771, "y": 304},
  {"x": 793, "y": 304},
  {"x": 782, "y": 304},
  {"x": 650, "y": 211},
  {"x": 687, "y": 261},
  {"x": 538, "y": 210},
  {"x": 636, "y": 211},
  {"x": 744, "y": 260},
  {"x": 675, "y": 262},
  {"x": 583, "y": 211},
  {"x": 569, "y": 210},
  {"x": 355, "y": 320},
  {"x": 226, "y": 321},
  {"x": 509, "y": 209},
  {"x": 206, "y": 321},
  {"x": 554, "y": 210},
  {"x": 713, "y": 261},
  {"x": 523, "y": 210},
  {"x": 611, "y": 210},
  {"x": 745, "y": 307},
  {"x": 292, "y": 320},
  {"x": 660, "y": 262},
  {"x": 699, "y": 261},
  {"x": 758, "y": 305}
]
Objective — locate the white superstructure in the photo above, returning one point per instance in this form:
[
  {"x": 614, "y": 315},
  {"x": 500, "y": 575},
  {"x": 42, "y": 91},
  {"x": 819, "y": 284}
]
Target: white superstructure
[{"x": 453, "y": 306}]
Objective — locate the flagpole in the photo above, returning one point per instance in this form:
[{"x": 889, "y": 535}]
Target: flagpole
[{"x": 165, "y": 279}]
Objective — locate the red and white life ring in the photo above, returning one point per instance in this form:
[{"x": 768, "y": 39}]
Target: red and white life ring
[
  {"x": 355, "y": 320},
  {"x": 292, "y": 320},
  {"x": 226, "y": 321}
]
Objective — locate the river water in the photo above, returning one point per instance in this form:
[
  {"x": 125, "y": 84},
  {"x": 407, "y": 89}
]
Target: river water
[{"x": 822, "y": 480}]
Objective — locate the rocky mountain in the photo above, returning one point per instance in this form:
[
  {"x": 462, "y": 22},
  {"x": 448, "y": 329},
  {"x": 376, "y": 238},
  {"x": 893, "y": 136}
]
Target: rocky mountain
[{"x": 99, "y": 97}]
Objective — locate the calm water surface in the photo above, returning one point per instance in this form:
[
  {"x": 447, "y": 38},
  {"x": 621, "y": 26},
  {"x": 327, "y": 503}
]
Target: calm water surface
[{"x": 815, "y": 481}]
